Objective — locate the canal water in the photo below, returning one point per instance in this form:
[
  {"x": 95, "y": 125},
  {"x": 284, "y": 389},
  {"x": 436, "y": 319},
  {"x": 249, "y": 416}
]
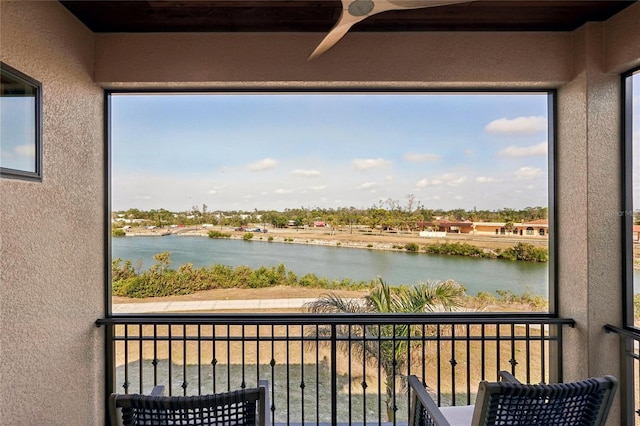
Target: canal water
[{"x": 338, "y": 262}]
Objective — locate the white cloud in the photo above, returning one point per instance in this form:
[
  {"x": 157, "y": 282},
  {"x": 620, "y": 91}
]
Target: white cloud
[
  {"x": 370, "y": 163},
  {"x": 517, "y": 126},
  {"x": 143, "y": 197},
  {"x": 282, "y": 191},
  {"x": 308, "y": 173},
  {"x": 524, "y": 151},
  {"x": 390, "y": 177},
  {"x": 264, "y": 164},
  {"x": 420, "y": 158},
  {"x": 264, "y": 193},
  {"x": 426, "y": 182},
  {"x": 469, "y": 152},
  {"x": 367, "y": 185},
  {"x": 486, "y": 179},
  {"x": 319, "y": 187},
  {"x": 525, "y": 173},
  {"x": 27, "y": 151},
  {"x": 448, "y": 179},
  {"x": 457, "y": 197},
  {"x": 215, "y": 190}
]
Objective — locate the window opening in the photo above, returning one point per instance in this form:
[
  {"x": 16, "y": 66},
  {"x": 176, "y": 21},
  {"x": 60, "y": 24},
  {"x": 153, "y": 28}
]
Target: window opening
[
  {"x": 20, "y": 125},
  {"x": 331, "y": 191},
  {"x": 631, "y": 213}
]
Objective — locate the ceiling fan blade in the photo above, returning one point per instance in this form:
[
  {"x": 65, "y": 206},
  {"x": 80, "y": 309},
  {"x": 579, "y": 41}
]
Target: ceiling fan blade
[
  {"x": 354, "y": 11},
  {"x": 337, "y": 32}
]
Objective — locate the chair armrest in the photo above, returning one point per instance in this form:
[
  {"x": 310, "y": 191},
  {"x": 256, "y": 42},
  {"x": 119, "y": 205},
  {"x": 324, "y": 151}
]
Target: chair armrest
[
  {"x": 508, "y": 377},
  {"x": 421, "y": 399},
  {"x": 157, "y": 390},
  {"x": 265, "y": 406}
]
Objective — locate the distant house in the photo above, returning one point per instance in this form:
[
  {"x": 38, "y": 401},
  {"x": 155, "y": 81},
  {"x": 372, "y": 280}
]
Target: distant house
[
  {"x": 636, "y": 232},
  {"x": 319, "y": 224},
  {"x": 489, "y": 228},
  {"x": 532, "y": 228},
  {"x": 462, "y": 227}
]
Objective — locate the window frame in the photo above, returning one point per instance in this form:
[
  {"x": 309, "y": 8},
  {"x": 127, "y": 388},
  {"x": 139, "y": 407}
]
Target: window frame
[
  {"x": 35, "y": 175},
  {"x": 628, "y": 311},
  {"x": 552, "y": 111}
]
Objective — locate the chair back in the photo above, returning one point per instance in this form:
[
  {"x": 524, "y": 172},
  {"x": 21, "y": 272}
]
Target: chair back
[
  {"x": 245, "y": 407},
  {"x": 580, "y": 403}
]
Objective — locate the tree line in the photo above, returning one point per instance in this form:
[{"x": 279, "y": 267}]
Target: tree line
[{"x": 389, "y": 214}]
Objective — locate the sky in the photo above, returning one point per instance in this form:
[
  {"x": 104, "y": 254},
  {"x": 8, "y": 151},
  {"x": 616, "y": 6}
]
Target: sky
[
  {"x": 271, "y": 151},
  {"x": 17, "y": 133}
]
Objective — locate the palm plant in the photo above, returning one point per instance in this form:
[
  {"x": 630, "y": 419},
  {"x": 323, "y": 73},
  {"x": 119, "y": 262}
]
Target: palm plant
[{"x": 387, "y": 345}]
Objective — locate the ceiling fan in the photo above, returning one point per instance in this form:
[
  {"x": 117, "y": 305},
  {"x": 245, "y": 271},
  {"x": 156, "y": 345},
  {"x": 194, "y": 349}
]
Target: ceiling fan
[{"x": 354, "y": 11}]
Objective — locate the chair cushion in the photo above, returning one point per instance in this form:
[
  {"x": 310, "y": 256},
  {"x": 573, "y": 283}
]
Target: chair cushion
[{"x": 458, "y": 416}]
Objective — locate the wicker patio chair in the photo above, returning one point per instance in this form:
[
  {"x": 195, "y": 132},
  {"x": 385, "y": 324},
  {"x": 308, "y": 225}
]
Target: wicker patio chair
[
  {"x": 246, "y": 407},
  {"x": 512, "y": 403}
]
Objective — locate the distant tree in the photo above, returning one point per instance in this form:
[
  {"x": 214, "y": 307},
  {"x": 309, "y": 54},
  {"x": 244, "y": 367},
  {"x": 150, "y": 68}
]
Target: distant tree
[
  {"x": 376, "y": 217},
  {"x": 509, "y": 226}
]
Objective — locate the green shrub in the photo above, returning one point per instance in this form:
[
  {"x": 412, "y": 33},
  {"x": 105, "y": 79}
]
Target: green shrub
[
  {"x": 369, "y": 245},
  {"x": 218, "y": 234},
  {"x": 412, "y": 247},
  {"x": 121, "y": 272},
  {"x": 247, "y": 236},
  {"x": 525, "y": 251},
  {"x": 118, "y": 232},
  {"x": 270, "y": 238},
  {"x": 458, "y": 249}
]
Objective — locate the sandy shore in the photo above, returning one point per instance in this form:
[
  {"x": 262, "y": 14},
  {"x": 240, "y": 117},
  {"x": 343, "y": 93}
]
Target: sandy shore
[
  {"x": 247, "y": 294},
  {"x": 356, "y": 238}
]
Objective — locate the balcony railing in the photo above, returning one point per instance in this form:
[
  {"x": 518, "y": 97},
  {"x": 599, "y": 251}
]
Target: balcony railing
[
  {"x": 331, "y": 369},
  {"x": 630, "y": 373}
]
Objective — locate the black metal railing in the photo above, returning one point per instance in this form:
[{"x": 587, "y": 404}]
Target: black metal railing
[
  {"x": 331, "y": 369},
  {"x": 629, "y": 374}
]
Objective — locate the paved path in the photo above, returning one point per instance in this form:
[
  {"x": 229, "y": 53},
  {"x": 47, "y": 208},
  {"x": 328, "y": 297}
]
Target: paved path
[{"x": 208, "y": 305}]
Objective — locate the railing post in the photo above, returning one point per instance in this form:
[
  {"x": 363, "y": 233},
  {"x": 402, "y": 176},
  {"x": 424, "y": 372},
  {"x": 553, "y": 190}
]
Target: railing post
[
  {"x": 334, "y": 375},
  {"x": 627, "y": 391}
]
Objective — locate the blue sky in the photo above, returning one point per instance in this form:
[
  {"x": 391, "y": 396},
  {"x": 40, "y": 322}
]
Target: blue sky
[
  {"x": 277, "y": 151},
  {"x": 17, "y": 133}
]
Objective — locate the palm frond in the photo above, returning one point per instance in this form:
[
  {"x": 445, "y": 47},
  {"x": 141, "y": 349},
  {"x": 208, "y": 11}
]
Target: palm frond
[{"x": 334, "y": 304}]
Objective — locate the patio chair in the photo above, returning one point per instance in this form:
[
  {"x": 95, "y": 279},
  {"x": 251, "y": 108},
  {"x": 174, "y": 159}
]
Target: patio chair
[
  {"x": 510, "y": 402},
  {"x": 246, "y": 407}
]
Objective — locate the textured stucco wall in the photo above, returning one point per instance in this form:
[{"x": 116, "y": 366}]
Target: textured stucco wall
[
  {"x": 417, "y": 59},
  {"x": 621, "y": 47},
  {"x": 51, "y": 232}
]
